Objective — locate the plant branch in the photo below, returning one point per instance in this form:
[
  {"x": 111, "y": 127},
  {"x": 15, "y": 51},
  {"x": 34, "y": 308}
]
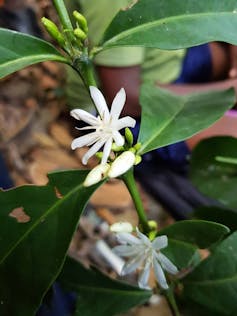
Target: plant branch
[
  {"x": 129, "y": 180},
  {"x": 172, "y": 302},
  {"x": 84, "y": 66},
  {"x": 64, "y": 17}
]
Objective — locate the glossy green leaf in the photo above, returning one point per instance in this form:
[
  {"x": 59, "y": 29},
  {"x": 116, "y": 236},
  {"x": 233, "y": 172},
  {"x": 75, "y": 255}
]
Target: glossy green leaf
[
  {"x": 213, "y": 284},
  {"x": 36, "y": 227},
  {"x": 224, "y": 216},
  {"x": 173, "y": 24},
  {"x": 18, "y": 50},
  {"x": 98, "y": 294},
  {"x": 181, "y": 253},
  {"x": 213, "y": 178},
  {"x": 168, "y": 118},
  {"x": 197, "y": 232},
  {"x": 189, "y": 308}
]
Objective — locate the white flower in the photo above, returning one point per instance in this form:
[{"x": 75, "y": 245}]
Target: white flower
[
  {"x": 146, "y": 254},
  {"x": 121, "y": 227},
  {"x": 96, "y": 175},
  {"x": 121, "y": 164},
  {"x": 106, "y": 125}
]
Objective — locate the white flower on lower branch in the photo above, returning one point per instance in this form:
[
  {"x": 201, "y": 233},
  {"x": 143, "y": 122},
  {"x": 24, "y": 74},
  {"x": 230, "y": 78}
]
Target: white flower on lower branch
[
  {"x": 144, "y": 253},
  {"x": 106, "y": 126}
]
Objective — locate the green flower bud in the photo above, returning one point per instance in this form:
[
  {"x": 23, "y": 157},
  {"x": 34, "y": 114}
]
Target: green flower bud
[
  {"x": 138, "y": 146},
  {"x": 153, "y": 232},
  {"x": 138, "y": 159},
  {"x": 117, "y": 148},
  {"x": 99, "y": 155},
  {"x": 81, "y": 20},
  {"x": 132, "y": 150},
  {"x": 129, "y": 136},
  {"x": 53, "y": 31},
  {"x": 80, "y": 34},
  {"x": 153, "y": 225}
]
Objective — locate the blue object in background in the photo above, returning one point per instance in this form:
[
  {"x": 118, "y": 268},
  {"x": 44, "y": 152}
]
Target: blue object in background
[
  {"x": 60, "y": 303},
  {"x": 5, "y": 180},
  {"x": 174, "y": 155},
  {"x": 197, "y": 65}
]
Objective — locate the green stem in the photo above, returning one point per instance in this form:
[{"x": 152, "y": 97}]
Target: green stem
[
  {"x": 84, "y": 66},
  {"x": 130, "y": 182},
  {"x": 80, "y": 62},
  {"x": 64, "y": 17},
  {"x": 172, "y": 302},
  {"x": 228, "y": 160}
]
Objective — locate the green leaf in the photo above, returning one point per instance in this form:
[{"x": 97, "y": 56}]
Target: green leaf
[
  {"x": 182, "y": 254},
  {"x": 168, "y": 118},
  {"x": 213, "y": 284},
  {"x": 98, "y": 294},
  {"x": 189, "y": 308},
  {"x": 173, "y": 24},
  {"x": 201, "y": 233},
  {"x": 36, "y": 227},
  {"x": 18, "y": 50},
  {"x": 224, "y": 216},
  {"x": 213, "y": 178}
]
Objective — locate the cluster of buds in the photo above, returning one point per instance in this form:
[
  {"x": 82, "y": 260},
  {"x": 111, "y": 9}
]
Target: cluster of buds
[
  {"x": 118, "y": 167},
  {"x": 126, "y": 158},
  {"x": 128, "y": 146},
  {"x": 80, "y": 32}
]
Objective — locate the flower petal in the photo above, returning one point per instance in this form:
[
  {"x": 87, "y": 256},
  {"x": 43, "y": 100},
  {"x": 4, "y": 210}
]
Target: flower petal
[
  {"x": 106, "y": 151},
  {"x": 92, "y": 151},
  {"x": 144, "y": 238},
  {"x": 126, "y": 238},
  {"x": 144, "y": 276},
  {"x": 84, "y": 140},
  {"x": 159, "y": 274},
  {"x": 118, "y": 104},
  {"x": 100, "y": 103},
  {"x": 132, "y": 264},
  {"x": 166, "y": 263},
  {"x": 160, "y": 242},
  {"x": 84, "y": 116},
  {"x": 126, "y": 121},
  {"x": 118, "y": 138},
  {"x": 85, "y": 128},
  {"x": 126, "y": 250}
]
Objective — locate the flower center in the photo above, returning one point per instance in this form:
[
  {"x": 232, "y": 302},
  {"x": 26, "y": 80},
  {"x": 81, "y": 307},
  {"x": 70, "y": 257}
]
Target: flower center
[{"x": 105, "y": 129}]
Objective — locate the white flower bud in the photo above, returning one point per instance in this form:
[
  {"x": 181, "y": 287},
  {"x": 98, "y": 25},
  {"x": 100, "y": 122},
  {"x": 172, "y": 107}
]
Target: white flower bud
[
  {"x": 121, "y": 227},
  {"x": 121, "y": 164},
  {"x": 96, "y": 175}
]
